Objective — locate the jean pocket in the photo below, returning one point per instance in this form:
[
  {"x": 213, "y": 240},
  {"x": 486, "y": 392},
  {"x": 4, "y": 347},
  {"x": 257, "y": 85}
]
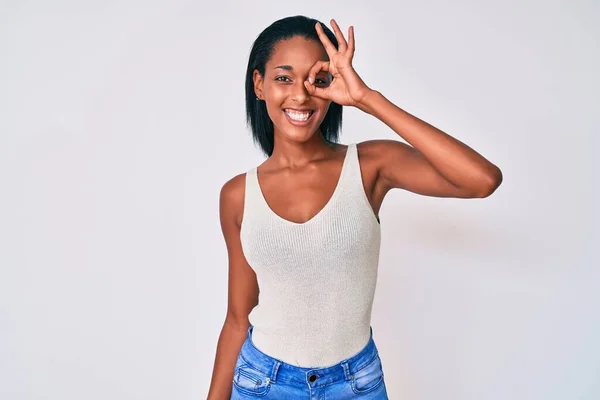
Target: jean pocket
[
  {"x": 368, "y": 377},
  {"x": 250, "y": 381}
]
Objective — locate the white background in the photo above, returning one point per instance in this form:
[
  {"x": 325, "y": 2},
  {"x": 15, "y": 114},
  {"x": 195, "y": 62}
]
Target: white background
[{"x": 120, "y": 122}]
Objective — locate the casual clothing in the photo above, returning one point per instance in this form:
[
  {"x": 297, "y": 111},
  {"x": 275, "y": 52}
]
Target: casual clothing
[
  {"x": 316, "y": 279},
  {"x": 258, "y": 375}
]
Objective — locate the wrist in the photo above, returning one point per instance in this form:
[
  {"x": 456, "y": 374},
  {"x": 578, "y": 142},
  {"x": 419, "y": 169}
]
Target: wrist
[{"x": 365, "y": 103}]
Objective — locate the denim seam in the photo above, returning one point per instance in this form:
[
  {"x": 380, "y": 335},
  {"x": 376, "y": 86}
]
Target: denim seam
[
  {"x": 366, "y": 364},
  {"x": 360, "y": 391}
]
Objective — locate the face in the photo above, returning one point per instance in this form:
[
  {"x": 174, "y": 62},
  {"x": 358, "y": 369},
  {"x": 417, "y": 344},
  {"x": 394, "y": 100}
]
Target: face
[{"x": 295, "y": 114}]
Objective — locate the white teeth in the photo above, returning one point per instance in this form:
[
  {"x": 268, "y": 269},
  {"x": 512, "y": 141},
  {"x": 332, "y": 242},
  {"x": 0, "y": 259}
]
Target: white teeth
[{"x": 298, "y": 116}]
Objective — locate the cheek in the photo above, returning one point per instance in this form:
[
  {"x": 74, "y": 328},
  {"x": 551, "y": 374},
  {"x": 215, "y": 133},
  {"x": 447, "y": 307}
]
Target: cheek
[
  {"x": 275, "y": 99},
  {"x": 274, "y": 112},
  {"x": 324, "y": 107},
  {"x": 277, "y": 93}
]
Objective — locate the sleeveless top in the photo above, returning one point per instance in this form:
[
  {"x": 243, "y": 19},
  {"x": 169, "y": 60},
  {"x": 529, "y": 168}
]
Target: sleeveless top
[{"x": 316, "y": 279}]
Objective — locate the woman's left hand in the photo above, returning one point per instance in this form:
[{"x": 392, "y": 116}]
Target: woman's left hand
[{"x": 347, "y": 88}]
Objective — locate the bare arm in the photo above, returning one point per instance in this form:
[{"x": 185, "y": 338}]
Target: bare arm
[
  {"x": 242, "y": 291},
  {"x": 436, "y": 164}
]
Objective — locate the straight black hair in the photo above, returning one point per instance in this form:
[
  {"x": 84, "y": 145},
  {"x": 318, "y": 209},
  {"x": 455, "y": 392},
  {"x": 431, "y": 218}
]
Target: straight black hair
[{"x": 262, "y": 49}]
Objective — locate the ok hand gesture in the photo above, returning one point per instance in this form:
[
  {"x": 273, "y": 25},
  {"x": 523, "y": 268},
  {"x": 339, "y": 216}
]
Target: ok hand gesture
[{"x": 347, "y": 88}]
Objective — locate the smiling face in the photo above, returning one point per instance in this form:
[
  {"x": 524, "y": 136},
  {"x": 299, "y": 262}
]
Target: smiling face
[{"x": 295, "y": 114}]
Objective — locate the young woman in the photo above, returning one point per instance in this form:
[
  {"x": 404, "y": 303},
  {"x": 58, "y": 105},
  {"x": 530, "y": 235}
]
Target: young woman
[{"x": 303, "y": 228}]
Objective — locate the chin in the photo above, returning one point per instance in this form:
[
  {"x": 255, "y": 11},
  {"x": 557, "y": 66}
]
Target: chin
[{"x": 299, "y": 135}]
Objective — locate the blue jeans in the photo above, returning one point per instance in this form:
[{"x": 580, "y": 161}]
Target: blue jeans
[{"x": 258, "y": 375}]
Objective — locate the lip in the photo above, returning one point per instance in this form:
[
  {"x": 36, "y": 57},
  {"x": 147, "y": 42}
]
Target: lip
[
  {"x": 298, "y": 123},
  {"x": 298, "y": 109}
]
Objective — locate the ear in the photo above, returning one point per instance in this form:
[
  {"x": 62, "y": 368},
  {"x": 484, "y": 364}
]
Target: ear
[{"x": 258, "y": 84}]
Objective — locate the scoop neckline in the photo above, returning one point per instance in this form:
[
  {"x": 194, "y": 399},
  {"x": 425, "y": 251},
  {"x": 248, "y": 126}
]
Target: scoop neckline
[{"x": 322, "y": 210}]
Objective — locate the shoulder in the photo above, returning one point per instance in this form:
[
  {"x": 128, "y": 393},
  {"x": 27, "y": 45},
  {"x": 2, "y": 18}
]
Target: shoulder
[
  {"x": 372, "y": 153},
  {"x": 231, "y": 198},
  {"x": 378, "y": 153},
  {"x": 380, "y": 158}
]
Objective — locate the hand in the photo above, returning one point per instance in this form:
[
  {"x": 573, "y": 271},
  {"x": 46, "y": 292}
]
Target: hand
[{"x": 347, "y": 88}]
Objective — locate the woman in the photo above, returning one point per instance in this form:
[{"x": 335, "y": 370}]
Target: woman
[{"x": 303, "y": 225}]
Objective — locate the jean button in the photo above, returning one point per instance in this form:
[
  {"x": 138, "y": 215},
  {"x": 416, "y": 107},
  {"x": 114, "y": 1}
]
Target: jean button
[{"x": 312, "y": 378}]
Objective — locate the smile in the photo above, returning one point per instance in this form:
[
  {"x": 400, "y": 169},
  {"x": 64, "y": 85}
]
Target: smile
[{"x": 297, "y": 117}]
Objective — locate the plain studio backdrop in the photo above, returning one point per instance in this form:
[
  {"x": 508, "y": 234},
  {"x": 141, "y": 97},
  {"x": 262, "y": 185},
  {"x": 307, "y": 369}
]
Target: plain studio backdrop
[{"x": 120, "y": 122}]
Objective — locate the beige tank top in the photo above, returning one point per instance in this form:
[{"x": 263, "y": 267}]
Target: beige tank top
[{"x": 316, "y": 279}]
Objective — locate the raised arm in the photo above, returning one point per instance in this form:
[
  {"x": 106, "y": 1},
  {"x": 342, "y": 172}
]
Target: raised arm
[
  {"x": 242, "y": 291},
  {"x": 434, "y": 164}
]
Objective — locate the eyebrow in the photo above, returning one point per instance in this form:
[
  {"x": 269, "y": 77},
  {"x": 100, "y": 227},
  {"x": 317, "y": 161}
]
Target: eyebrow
[{"x": 290, "y": 68}]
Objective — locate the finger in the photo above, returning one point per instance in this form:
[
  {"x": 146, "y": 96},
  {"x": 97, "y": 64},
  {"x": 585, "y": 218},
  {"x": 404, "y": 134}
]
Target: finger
[
  {"x": 312, "y": 77},
  {"x": 316, "y": 91},
  {"x": 319, "y": 66},
  {"x": 329, "y": 47},
  {"x": 342, "y": 45},
  {"x": 351, "y": 44}
]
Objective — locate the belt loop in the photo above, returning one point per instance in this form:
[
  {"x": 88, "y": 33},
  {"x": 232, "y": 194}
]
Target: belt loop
[
  {"x": 347, "y": 375},
  {"x": 274, "y": 371}
]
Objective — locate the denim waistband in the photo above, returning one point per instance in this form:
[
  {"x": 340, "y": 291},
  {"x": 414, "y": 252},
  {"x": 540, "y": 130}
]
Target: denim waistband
[{"x": 279, "y": 370}]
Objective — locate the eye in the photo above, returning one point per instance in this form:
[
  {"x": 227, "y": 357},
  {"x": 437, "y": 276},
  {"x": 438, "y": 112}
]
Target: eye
[
  {"x": 282, "y": 78},
  {"x": 322, "y": 81}
]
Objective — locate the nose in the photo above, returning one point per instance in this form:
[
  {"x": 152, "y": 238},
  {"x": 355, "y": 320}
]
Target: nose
[{"x": 300, "y": 94}]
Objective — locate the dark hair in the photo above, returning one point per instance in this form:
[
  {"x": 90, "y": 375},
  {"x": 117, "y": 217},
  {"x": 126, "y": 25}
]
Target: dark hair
[{"x": 256, "y": 111}]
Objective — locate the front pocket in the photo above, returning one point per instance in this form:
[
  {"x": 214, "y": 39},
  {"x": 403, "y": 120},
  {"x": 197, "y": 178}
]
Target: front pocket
[
  {"x": 250, "y": 381},
  {"x": 369, "y": 377}
]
